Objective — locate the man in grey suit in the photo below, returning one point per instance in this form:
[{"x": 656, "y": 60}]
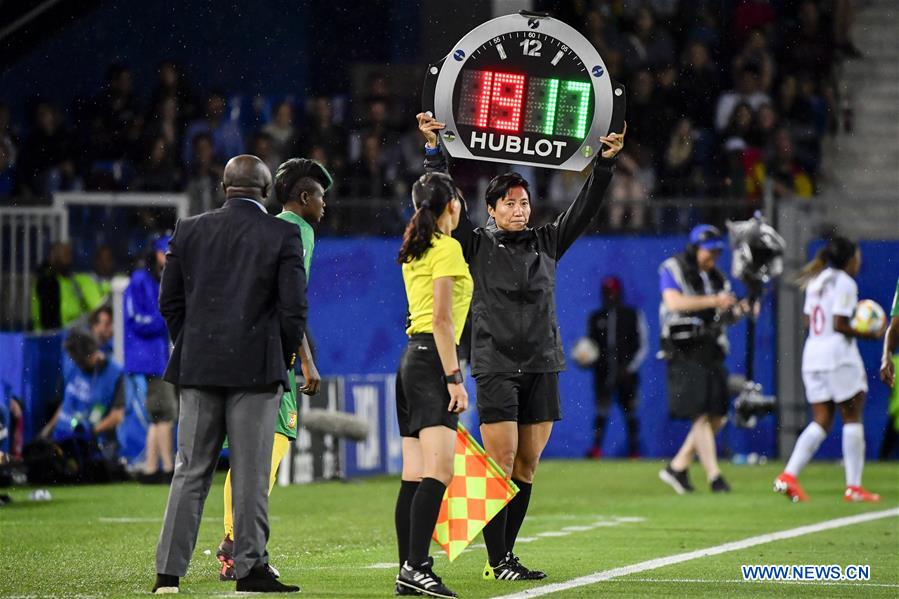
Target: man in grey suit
[{"x": 233, "y": 294}]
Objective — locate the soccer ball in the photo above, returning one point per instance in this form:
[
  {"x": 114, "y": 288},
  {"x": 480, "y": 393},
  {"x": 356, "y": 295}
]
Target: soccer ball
[
  {"x": 868, "y": 317},
  {"x": 585, "y": 352}
]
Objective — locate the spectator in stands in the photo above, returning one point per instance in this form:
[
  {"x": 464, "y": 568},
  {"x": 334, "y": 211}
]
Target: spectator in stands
[
  {"x": 757, "y": 53},
  {"x": 324, "y": 133},
  {"x": 641, "y": 120},
  {"x": 164, "y": 122},
  {"x": 563, "y": 185},
  {"x": 158, "y": 172},
  {"x": 666, "y": 98},
  {"x": 679, "y": 175},
  {"x": 170, "y": 83},
  {"x": 650, "y": 45},
  {"x": 844, "y": 16},
  {"x": 629, "y": 193},
  {"x": 227, "y": 140},
  {"x": 741, "y": 124},
  {"x": 698, "y": 84},
  {"x": 809, "y": 47},
  {"x": 8, "y": 135},
  {"x": 603, "y": 33},
  {"x": 766, "y": 124},
  {"x": 115, "y": 114},
  {"x": 262, "y": 146},
  {"x": 789, "y": 178},
  {"x": 100, "y": 280},
  {"x": 748, "y": 90},
  {"x": 204, "y": 187},
  {"x": 376, "y": 123},
  {"x": 146, "y": 355},
  {"x": 7, "y": 172},
  {"x": 47, "y": 163},
  {"x": 92, "y": 407},
  {"x": 750, "y": 15},
  {"x": 100, "y": 323},
  {"x": 60, "y": 297},
  {"x": 370, "y": 175},
  {"x": 282, "y": 132}
]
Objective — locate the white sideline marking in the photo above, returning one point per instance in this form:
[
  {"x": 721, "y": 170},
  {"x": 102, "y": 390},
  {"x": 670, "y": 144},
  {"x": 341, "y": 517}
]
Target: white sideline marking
[
  {"x": 860, "y": 583},
  {"x": 567, "y": 530},
  {"x": 678, "y": 558}
]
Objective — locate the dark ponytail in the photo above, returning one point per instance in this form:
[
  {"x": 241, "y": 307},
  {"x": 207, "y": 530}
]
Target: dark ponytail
[
  {"x": 430, "y": 195},
  {"x": 837, "y": 253}
]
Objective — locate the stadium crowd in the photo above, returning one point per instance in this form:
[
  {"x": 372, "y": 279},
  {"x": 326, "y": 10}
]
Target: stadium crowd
[{"x": 721, "y": 102}]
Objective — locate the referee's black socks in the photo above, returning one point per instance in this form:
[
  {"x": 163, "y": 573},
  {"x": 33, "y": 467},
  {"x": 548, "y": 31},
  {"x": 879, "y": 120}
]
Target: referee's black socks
[
  {"x": 403, "y": 517},
  {"x": 516, "y": 511},
  {"x": 424, "y": 512},
  {"x": 495, "y": 537}
]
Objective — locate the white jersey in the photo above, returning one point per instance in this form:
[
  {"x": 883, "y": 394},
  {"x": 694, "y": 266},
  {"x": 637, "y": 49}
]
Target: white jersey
[{"x": 831, "y": 293}]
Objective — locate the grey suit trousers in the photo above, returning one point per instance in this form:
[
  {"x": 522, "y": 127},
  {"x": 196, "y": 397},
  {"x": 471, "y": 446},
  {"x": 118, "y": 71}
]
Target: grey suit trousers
[{"x": 247, "y": 417}]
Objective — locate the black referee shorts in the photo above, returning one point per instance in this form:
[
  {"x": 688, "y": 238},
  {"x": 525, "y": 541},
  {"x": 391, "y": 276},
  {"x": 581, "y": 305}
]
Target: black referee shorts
[
  {"x": 422, "y": 398},
  {"x": 526, "y": 398}
]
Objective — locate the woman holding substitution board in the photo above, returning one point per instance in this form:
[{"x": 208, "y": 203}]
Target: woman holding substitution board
[{"x": 516, "y": 352}]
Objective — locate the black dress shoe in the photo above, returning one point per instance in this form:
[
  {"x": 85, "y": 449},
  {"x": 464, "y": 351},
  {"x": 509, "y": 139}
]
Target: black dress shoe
[
  {"x": 165, "y": 584},
  {"x": 262, "y": 580}
]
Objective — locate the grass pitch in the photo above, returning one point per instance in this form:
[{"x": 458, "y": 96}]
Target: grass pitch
[{"x": 337, "y": 539}]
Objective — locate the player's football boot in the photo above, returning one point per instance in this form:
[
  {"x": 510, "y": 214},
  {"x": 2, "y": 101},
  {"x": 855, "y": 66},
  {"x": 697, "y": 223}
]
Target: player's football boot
[
  {"x": 719, "y": 485},
  {"x": 421, "y": 578},
  {"x": 787, "y": 485},
  {"x": 511, "y": 568},
  {"x": 857, "y": 494},
  {"x": 225, "y": 556},
  {"x": 679, "y": 481}
]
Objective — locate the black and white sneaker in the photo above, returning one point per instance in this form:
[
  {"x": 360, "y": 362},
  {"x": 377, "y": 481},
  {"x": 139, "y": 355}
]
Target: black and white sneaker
[
  {"x": 719, "y": 485},
  {"x": 422, "y": 579},
  {"x": 511, "y": 568},
  {"x": 677, "y": 480},
  {"x": 402, "y": 591}
]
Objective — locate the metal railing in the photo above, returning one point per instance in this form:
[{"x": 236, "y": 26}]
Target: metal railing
[
  {"x": 25, "y": 237},
  {"x": 27, "y": 232}
]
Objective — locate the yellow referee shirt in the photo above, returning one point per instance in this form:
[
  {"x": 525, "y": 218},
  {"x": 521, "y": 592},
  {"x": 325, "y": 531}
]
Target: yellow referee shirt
[{"x": 443, "y": 259}]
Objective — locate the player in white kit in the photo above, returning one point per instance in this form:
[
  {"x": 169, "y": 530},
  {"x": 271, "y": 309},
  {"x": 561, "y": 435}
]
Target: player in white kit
[{"x": 832, "y": 368}]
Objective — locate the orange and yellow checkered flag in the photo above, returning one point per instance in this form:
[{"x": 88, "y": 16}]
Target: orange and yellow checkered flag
[{"x": 478, "y": 492}]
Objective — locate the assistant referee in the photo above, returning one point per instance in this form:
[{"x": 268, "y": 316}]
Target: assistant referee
[{"x": 430, "y": 393}]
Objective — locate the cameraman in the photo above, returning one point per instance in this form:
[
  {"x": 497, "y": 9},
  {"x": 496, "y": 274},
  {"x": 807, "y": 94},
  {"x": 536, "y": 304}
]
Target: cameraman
[
  {"x": 697, "y": 304},
  {"x": 84, "y": 425}
]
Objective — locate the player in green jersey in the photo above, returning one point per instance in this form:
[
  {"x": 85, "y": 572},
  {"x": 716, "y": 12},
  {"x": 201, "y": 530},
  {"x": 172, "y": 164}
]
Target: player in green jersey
[{"x": 300, "y": 186}]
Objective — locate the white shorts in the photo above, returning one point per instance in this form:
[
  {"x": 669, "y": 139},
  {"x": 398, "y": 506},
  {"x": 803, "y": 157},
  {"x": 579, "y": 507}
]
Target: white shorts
[{"x": 839, "y": 384}]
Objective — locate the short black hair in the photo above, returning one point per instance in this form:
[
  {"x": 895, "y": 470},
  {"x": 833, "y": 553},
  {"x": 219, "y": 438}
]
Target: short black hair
[
  {"x": 297, "y": 175},
  {"x": 80, "y": 345},
  {"x": 94, "y": 318},
  {"x": 500, "y": 185}
]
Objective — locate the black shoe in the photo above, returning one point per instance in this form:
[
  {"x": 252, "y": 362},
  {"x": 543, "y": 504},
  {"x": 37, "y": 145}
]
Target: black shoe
[
  {"x": 511, "y": 568},
  {"x": 261, "y": 579},
  {"x": 422, "y": 579},
  {"x": 402, "y": 591},
  {"x": 165, "y": 584},
  {"x": 164, "y": 478},
  {"x": 719, "y": 485},
  {"x": 677, "y": 480}
]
